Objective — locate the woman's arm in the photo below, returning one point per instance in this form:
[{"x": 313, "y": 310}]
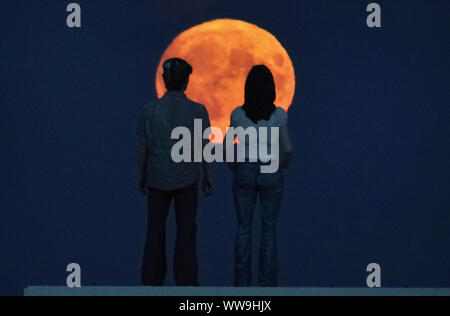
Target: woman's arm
[
  {"x": 286, "y": 148},
  {"x": 229, "y": 148},
  {"x": 229, "y": 143}
]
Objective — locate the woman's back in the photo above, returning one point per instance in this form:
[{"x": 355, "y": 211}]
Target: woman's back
[{"x": 278, "y": 120}]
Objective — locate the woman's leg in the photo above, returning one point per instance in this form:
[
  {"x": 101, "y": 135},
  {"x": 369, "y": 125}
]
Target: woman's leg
[
  {"x": 245, "y": 196},
  {"x": 271, "y": 194}
]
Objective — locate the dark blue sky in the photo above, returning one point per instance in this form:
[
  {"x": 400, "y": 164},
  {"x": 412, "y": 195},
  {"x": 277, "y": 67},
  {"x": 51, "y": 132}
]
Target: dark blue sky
[{"x": 370, "y": 125}]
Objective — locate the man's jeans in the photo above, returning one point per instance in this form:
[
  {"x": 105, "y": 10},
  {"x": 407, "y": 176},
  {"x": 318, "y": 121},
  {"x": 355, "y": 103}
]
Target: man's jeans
[
  {"x": 185, "y": 261},
  {"x": 249, "y": 183}
]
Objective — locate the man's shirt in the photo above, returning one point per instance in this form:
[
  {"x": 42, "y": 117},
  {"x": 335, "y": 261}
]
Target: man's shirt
[{"x": 156, "y": 124}]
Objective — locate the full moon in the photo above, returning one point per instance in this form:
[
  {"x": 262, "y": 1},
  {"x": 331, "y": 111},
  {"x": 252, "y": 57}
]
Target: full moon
[{"x": 222, "y": 52}]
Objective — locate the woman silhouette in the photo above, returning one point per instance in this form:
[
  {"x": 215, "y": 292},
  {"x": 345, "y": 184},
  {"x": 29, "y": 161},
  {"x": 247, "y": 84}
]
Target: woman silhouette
[{"x": 250, "y": 183}]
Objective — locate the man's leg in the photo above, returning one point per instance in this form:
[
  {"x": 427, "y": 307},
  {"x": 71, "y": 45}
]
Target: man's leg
[
  {"x": 154, "y": 266},
  {"x": 186, "y": 264}
]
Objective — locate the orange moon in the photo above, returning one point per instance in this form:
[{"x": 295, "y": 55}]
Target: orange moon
[{"x": 222, "y": 52}]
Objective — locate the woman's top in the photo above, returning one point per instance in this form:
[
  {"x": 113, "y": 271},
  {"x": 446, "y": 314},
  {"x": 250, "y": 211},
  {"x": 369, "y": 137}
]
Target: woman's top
[{"x": 253, "y": 151}]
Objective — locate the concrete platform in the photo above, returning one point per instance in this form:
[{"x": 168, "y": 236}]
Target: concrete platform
[{"x": 228, "y": 292}]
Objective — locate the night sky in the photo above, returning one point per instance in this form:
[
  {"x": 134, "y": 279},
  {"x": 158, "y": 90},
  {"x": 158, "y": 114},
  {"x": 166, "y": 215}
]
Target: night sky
[{"x": 370, "y": 125}]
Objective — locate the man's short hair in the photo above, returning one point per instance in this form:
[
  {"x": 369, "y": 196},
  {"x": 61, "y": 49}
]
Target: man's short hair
[{"x": 176, "y": 74}]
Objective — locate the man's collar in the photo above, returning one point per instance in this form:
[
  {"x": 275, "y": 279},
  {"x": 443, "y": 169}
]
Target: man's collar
[{"x": 177, "y": 94}]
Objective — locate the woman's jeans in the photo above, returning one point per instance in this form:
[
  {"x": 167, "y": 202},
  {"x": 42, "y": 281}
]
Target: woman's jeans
[{"x": 249, "y": 184}]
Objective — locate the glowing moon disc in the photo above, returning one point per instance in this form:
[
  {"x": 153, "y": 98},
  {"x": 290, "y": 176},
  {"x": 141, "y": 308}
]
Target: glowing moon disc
[{"x": 222, "y": 52}]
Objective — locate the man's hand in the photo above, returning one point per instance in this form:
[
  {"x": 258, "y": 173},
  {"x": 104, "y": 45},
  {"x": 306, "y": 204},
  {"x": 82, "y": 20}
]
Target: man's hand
[
  {"x": 142, "y": 186},
  {"x": 208, "y": 186},
  {"x": 142, "y": 166}
]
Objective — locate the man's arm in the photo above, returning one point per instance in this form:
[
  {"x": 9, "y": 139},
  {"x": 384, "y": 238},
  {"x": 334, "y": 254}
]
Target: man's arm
[
  {"x": 208, "y": 177},
  {"x": 142, "y": 165},
  {"x": 142, "y": 154}
]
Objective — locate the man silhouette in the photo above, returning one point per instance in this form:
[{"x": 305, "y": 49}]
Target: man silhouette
[{"x": 165, "y": 181}]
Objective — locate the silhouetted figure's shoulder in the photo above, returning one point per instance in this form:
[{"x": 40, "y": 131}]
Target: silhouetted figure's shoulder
[
  {"x": 200, "y": 111},
  {"x": 198, "y": 106},
  {"x": 237, "y": 112},
  {"x": 278, "y": 118},
  {"x": 281, "y": 111},
  {"x": 149, "y": 106}
]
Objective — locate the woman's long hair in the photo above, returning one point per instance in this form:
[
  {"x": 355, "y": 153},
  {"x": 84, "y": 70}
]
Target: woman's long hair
[{"x": 260, "y": 94}]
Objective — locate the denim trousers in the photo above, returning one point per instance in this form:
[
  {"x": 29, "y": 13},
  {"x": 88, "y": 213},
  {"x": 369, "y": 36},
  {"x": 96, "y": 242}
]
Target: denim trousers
[{"x": 250, "y": 184}]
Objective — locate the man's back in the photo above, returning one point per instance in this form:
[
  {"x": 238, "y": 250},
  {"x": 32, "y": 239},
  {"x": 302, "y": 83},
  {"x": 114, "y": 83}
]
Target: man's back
[
  {"x": 165, "y": 181},
  {"x": 158, "y": 121}
]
